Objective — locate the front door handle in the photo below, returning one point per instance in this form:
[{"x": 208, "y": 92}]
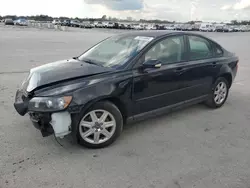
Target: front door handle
[
  {"x": 214, "y": 64},
  {"x": 179, "y": 70}
]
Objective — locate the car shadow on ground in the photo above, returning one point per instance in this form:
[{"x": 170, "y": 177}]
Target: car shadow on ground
[{"x": 131, "y": 130}]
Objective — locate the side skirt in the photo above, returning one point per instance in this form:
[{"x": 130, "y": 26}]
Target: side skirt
[{"x": 165, "y": 110}]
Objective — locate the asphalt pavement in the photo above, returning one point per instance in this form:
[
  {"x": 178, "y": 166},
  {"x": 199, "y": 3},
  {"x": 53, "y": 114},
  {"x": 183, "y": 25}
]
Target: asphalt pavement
[{"x": 194, "y": 147}]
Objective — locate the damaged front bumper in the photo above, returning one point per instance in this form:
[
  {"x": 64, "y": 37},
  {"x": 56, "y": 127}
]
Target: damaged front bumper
[
  {"x": 58, "y": 123},
  {"x": 55, "y": 123}
]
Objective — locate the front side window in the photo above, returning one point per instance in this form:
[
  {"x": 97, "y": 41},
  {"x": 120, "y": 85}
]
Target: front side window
[
  {"x": 115, "y": 51},
  {"x": 200, "y": 48},
  {"x": 169, "y": 50}
]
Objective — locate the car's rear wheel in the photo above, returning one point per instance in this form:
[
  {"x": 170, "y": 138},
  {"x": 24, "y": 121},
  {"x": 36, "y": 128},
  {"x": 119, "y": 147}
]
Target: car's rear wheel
[
  {"x": 100, "y": 126},
  {"x": 219, "y": 93}
]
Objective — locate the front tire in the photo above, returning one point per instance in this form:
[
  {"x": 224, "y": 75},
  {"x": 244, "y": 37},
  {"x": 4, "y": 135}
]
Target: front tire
[
  {"x": 219, "y": 93},
  {"x": 100, "y": 126}
]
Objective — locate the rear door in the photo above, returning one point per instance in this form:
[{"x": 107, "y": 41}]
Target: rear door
[{"x": 197, "y": 74}]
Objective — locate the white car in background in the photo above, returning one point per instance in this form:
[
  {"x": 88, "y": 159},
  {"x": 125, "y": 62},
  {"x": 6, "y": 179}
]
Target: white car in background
[
  {"x": 110, "y": 25},
  {"x": 105, "y": 24},
  {"x": 100, "y": 25},
  {"x": 170, "y": 27},
  {"x": 207, "y": 27},
  {"x": 56, "y": 22}
]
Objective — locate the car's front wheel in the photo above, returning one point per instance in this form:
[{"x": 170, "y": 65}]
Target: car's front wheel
[
  {"x": 219, "y": 93},
  {"x": 100, "y": 126}
]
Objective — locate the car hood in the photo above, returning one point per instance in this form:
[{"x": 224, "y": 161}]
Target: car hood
[{"x": 60, "y": 71}]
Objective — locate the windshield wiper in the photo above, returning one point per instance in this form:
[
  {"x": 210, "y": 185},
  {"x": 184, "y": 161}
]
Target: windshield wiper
[
  {"x": 91, "y": 62},
  {"x": 75, "y": 58}
]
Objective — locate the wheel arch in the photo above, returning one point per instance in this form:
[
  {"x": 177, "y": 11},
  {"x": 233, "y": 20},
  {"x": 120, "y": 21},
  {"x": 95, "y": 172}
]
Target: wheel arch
[
  {"x": 114, "y": 100},
  {"x": 228, "y": 77}
]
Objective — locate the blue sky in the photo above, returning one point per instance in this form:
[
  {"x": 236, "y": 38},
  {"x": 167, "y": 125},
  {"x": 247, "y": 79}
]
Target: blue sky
[{"x": 183, "y": 10}]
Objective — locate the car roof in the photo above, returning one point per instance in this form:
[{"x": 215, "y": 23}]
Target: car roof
[{"x": 158, "y": 34}]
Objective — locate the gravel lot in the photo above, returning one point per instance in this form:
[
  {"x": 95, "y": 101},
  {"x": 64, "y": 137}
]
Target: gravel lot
[{"x": 194, "y": 147}]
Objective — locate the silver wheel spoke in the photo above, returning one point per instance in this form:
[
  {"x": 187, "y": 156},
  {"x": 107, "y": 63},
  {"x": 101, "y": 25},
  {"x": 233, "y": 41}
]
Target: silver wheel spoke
[
  {"x": 221, "y": 98},
  {"x": 108, "y": 124},
  {"x": 86, "y": 124},
  {"x": 93, "y": 116},
  {"x": 216, "y": 92},
  {"x": 216, "y": 98},
  {"x": 103, "y": 117},
  {"x": 96, "y": 137},
  {"x": 106, "y": 133},
  {"x": 222, "y": 86},
  {"x": 87, "y": 133}
]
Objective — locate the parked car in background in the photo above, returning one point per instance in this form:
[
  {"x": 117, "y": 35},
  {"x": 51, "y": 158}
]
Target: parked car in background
[
  {"x": 21, "y": 22},
  {"x": 236, "y": 28},
  {"x": 122, "y": 26},
  {"x": 149, "y": 27},
  {"x": 138, "y": 26},
  {"x": 178, "y": 27},
  {"x": 129, "y": 26},
  {"x": 206, "y": 27},
  {"x": 87, "y": 24},
  {"x": 196, "y": 27},
  {"x": 219, "y": 28},
  {"x": 170, "y": 27},
  {"x": 110, "y": 25},
  {"x": 125, "y": 78},
  {"x": 105, "y": 24},
  {"x": 161, "y": 27},
  {"x": 116, "y": 25},
  {"x": 56, "y": 22},
  {"x": 65, "y": 23},
  {"x": 9, "y": 22},
  {"x": 244, "y": 28},
  {"x": 186, "y": 27},
  {"x": 99, "y": 25},
  {"x": 75, "y": 23},
  {"x": 225, "y": 28}
]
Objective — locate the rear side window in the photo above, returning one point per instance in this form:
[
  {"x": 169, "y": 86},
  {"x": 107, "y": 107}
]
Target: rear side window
[
  {"x": 200, "y": 48},
  {"x": 218, "y": 51}
]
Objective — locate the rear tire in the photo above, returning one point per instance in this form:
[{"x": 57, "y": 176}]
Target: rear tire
[
  {"x": 219, "y": 93},
  {"x": 100, "y": 125}
]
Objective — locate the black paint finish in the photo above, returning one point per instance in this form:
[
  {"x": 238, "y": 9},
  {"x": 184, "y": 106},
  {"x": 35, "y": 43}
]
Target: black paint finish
[{"x": 136, "y": 91}]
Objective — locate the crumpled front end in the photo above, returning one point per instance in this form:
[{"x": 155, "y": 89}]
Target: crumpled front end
[{"x": 48, "y": 122}]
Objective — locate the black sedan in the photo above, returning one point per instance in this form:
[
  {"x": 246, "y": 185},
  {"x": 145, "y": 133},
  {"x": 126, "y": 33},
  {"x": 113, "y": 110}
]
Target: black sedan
[
  {"x": 9, "y": 22},
  {"x": 125, "y": 78}
]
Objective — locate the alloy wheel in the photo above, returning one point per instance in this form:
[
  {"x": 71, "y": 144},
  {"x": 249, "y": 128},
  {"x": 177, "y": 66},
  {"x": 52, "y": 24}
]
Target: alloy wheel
[
  {"x": 97, "y": 126},
  {"x": 220, "y": 93}
]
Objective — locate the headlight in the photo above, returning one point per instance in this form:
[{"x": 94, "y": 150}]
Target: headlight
[{"x": 49, "y": 104}]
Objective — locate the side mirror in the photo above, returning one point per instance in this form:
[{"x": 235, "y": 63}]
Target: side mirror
[{"x": 152, "y": 63}]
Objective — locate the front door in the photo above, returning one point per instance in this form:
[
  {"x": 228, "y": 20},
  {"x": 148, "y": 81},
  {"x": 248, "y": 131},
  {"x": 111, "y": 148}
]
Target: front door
[{"x": 154, "y": 88}]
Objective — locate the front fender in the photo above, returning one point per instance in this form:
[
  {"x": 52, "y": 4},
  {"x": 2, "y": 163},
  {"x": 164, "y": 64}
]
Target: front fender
[{"x": 115, "y": 88}]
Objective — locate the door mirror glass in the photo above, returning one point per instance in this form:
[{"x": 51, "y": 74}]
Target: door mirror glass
[{"x": 152, "y": 63}]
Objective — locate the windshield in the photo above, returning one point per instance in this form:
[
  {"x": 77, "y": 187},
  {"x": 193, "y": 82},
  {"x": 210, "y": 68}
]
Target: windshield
[{"x": 115, "y": 51}]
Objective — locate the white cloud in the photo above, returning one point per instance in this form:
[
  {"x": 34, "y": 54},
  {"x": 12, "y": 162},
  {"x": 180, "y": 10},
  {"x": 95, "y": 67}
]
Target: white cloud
[
  {"x": 243, "y": 4},
  {"x": 182, "y": 10},
  {"x": 226, "y": 7}
]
